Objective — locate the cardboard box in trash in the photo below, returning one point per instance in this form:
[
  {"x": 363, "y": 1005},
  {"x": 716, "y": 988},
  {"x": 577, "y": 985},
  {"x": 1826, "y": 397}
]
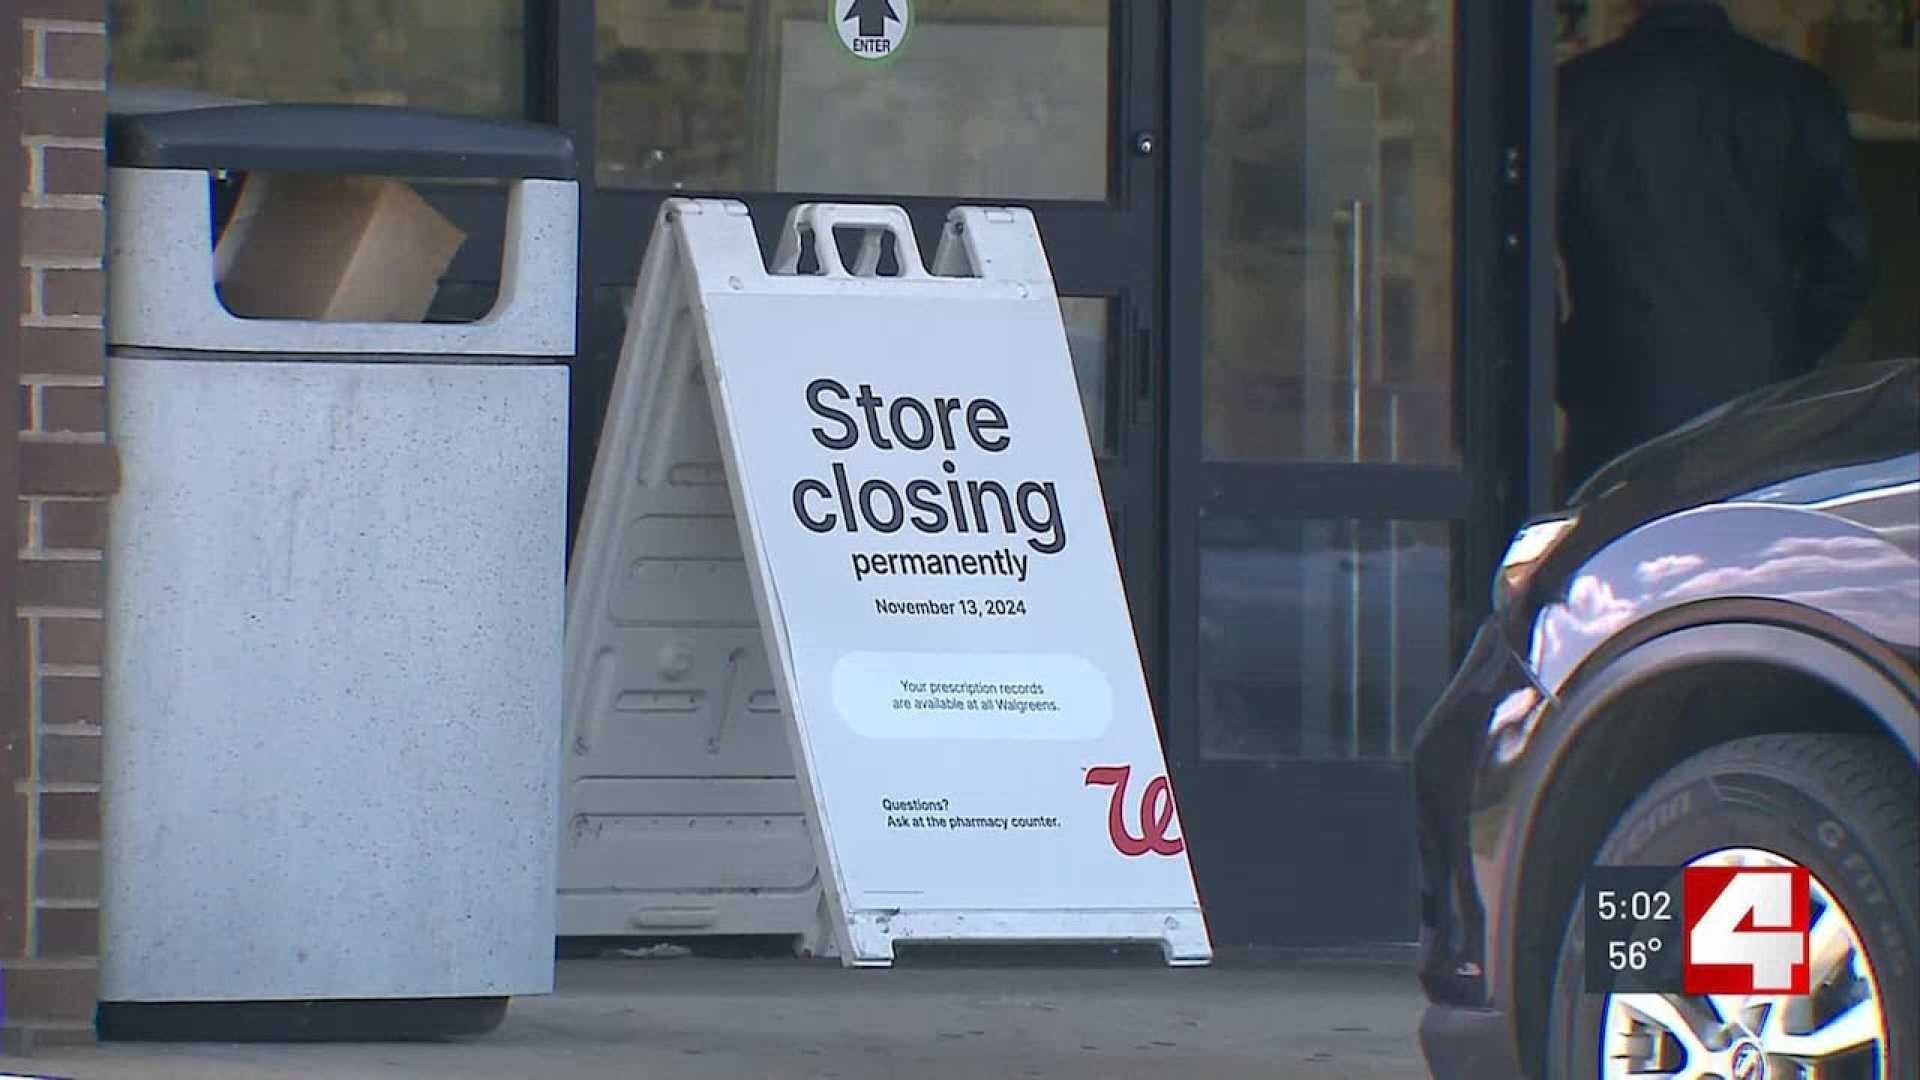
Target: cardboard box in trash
[{"x": 333, "y": 248}]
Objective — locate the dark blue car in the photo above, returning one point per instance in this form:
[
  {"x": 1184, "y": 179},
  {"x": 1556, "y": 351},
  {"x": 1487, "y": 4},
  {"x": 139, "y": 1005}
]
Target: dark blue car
[{"x": 1710, "y": 658}]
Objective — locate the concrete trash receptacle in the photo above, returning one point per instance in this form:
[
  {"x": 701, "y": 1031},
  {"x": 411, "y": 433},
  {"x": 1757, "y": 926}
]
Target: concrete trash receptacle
[{"x": 335, "y": 604}]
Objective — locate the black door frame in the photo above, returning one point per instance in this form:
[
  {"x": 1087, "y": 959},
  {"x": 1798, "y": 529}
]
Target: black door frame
[
  {"x": 1533, "y": 90},
  {"x": 1509, "y": 232},
  {"x": 1502, "y": 341},
  {"x": 1504, "y": 297},
  {"x": 1504, "y": 233},
  {"x": 1110, "y": 248}
]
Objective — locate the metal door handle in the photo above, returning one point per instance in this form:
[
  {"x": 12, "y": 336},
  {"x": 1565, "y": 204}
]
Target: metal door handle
[
  {"x": 1393, "y": 588},
  {"x": 1353, "y": 216}
]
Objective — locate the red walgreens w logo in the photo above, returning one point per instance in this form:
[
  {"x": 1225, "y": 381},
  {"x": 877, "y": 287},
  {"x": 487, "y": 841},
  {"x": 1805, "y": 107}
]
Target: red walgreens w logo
[
  {"x": 1745, "y": 930},
  {"x": 1156, "y": 813}
]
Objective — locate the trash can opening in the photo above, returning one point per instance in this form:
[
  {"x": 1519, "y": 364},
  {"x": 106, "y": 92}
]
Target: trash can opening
[
  {"x": 345, "y": 213},
  {"x": 356, "y": 248}
]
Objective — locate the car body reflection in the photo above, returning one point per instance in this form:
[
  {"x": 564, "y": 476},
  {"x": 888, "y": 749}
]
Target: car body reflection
[{"x": 1760, "y": 568}]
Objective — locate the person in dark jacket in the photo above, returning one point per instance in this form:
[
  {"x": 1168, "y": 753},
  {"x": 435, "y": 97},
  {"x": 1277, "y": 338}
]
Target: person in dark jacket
[{"x": 1712, "y": 230}]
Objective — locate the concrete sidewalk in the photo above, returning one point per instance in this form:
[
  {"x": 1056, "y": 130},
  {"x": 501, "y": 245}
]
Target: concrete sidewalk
[{"x": 691, "y": 1019}]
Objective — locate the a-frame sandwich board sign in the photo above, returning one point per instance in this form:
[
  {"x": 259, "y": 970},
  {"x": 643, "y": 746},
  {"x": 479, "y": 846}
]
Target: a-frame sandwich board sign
[{"x": 931, "y": 566}]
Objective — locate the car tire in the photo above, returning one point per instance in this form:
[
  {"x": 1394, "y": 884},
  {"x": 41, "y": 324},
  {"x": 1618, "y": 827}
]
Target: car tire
[{"x": 1844, "y": 807}]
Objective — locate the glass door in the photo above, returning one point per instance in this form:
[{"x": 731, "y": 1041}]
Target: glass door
[{"x": 1318, "y": 487}]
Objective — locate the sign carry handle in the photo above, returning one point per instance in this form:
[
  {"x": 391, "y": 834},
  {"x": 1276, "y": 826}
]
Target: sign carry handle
[{"x": 821, "y": 220}]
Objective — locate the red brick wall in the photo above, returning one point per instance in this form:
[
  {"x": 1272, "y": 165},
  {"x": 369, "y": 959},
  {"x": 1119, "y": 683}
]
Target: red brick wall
[
  {"x": 15, "y": 758},
  {"x": 50, "y": 873}
]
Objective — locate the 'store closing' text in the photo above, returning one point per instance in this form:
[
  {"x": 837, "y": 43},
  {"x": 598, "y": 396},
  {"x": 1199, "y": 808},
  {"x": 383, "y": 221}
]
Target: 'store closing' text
[{"x": 945, "y": 504}]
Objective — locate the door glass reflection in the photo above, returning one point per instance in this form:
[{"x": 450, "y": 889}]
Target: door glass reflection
[
  {"x": 1088, "y": 319},
  {"x": 1001, "y": 98},
  {"x": 1327, "y": 217},
  {"x": 1321, "y": 639},
  {"x": 465, "y": 56}
]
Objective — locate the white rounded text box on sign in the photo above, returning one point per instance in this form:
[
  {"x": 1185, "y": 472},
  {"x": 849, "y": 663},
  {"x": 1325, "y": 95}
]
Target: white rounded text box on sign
[{"x": 903, "y": 695}]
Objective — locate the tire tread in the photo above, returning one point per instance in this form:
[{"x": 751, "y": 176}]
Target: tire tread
[
  {"x": 1870, "y": 785},
  {"x": 1878, "y": 788}
]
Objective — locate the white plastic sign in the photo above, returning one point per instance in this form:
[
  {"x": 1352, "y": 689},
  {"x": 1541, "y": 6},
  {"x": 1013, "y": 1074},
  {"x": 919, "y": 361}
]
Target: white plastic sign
[{"x": 933, "y": 572}]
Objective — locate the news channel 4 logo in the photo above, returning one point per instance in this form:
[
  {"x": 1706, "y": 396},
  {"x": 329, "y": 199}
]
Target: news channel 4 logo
[{"x": 1698, "y": 930}]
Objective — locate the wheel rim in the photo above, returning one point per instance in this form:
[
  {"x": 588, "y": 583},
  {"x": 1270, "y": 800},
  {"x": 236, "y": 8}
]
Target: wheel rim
[{"x": 1838, "y": 1032}]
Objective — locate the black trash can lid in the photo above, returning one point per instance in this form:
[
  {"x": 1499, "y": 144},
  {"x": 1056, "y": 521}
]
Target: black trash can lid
[{"x": 346, "y": 140}]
